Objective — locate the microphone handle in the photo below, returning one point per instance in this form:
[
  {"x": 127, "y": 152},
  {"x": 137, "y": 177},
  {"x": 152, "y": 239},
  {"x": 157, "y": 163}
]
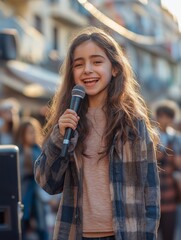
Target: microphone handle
[
  {"x": 66, "y": 141},
  {"x": 74, "y": 105}
]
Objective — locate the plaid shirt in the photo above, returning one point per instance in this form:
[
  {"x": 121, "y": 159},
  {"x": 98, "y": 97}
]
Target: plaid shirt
[{"x": 134, "y": 186}]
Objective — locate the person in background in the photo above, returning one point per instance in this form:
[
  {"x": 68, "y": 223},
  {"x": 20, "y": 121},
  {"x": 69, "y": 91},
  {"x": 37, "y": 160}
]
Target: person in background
[
  {"x": 169, "y": 158},
  {"x": 109, "y": 178},
  {"x": 9, "y": 120},
  {"x": 28, "y": 139},
  {"x": 177, "y": 172}
]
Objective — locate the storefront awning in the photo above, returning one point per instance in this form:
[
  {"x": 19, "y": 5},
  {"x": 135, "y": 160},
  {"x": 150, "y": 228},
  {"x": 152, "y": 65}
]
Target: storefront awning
[{"x": 31, "y": 81}]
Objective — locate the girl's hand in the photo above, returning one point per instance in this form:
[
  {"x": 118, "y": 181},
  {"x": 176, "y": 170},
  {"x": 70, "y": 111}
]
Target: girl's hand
[{"x": 69, "y": 119}]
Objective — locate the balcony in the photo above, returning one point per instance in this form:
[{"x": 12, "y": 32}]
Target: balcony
[{"x": 66, "y": 14}]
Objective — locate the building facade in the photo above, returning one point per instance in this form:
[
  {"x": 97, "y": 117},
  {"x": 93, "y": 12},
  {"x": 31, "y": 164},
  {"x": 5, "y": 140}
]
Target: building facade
[
  {"x": 43, "y": 30},
  {"x": 148, "y": 33},
  {"x": 151, "y": 39}
]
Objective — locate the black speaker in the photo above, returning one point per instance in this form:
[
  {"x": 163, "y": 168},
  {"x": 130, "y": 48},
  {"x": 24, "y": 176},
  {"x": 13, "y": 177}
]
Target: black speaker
[
  {"x": 10, "y": 193},
  {"x": 8, "y": 44}
]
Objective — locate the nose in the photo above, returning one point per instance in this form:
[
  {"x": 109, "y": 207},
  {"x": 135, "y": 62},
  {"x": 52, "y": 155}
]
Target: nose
[{"x": 88, "y": 68}]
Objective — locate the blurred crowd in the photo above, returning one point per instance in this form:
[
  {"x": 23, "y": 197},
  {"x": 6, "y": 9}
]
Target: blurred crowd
[
  {"x": 40, "y": 208},
  {"x": 167, "y": 117}
]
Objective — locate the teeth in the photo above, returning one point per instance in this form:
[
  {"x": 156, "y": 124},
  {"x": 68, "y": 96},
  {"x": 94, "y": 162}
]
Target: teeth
[{"x": 91, "y": 80}]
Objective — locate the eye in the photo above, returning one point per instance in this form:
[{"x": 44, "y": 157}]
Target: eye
[
  {"x": 76, "y": 65},
  {"x": 97, "y": 62}
]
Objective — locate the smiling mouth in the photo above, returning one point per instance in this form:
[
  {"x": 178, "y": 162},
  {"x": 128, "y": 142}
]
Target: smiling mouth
[{"x": 88, "y": 81}]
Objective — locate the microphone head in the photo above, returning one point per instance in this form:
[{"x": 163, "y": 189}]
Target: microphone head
[{"x": 78, "y": 91}]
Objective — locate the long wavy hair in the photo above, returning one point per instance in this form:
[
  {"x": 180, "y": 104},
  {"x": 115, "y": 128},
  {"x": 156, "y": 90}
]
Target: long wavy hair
[{"x": 124, "y": 103}]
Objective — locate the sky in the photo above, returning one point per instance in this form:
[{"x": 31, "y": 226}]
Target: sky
[{"x": 175, "y": 7}]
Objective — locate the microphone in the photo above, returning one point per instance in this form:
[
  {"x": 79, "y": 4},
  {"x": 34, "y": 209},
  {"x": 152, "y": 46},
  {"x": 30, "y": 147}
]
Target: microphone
[{"x": 78, "y": 93}]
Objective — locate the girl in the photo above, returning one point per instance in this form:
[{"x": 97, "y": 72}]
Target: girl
[
  {"x": 109, "y": 178},
  {"x": 28, "y": 140},
  {"x": 9, "y": 120}
]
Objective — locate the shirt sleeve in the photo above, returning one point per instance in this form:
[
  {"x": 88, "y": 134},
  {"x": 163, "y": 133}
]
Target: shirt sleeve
[
  {"x": 152, "y": 190},
  {"x": 50, "y": 167},
  {"x": 177, "y": 144}
]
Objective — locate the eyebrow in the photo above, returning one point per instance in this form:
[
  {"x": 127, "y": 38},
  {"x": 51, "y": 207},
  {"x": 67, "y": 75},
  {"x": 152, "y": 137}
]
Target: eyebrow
[{"x": 92, "y": 56}]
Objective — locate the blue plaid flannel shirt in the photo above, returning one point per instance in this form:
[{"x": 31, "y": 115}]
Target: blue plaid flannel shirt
[{"x": 134, "y": 186}]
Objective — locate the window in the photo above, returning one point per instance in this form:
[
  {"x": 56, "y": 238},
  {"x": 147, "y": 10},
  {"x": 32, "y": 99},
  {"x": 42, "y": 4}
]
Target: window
[
  {"x": 55, "y": 38},
  {"x": 38, "y": 23}
]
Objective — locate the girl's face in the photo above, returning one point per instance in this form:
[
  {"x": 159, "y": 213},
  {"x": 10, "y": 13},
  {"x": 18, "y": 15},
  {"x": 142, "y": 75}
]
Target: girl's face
[
  {"x": 93, "y": 70},
  {"x": 30, "y": 135}
]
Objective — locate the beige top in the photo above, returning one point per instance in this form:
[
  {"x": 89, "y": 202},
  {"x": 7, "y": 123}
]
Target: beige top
[{"x": 97, "y": 206}]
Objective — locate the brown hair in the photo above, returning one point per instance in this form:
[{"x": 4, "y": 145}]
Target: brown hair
[
  {"x": 124, "y": 103},
  {"x": 25, "y": 122}
]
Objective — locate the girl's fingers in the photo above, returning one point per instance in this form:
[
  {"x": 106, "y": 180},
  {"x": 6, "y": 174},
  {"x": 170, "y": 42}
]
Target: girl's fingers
[
  {"x": 69, "y": 117},
  {"x": 70, "y": 111},
  {"x": 68, "y": 123},
  {"x": 68, "y": 120}
]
